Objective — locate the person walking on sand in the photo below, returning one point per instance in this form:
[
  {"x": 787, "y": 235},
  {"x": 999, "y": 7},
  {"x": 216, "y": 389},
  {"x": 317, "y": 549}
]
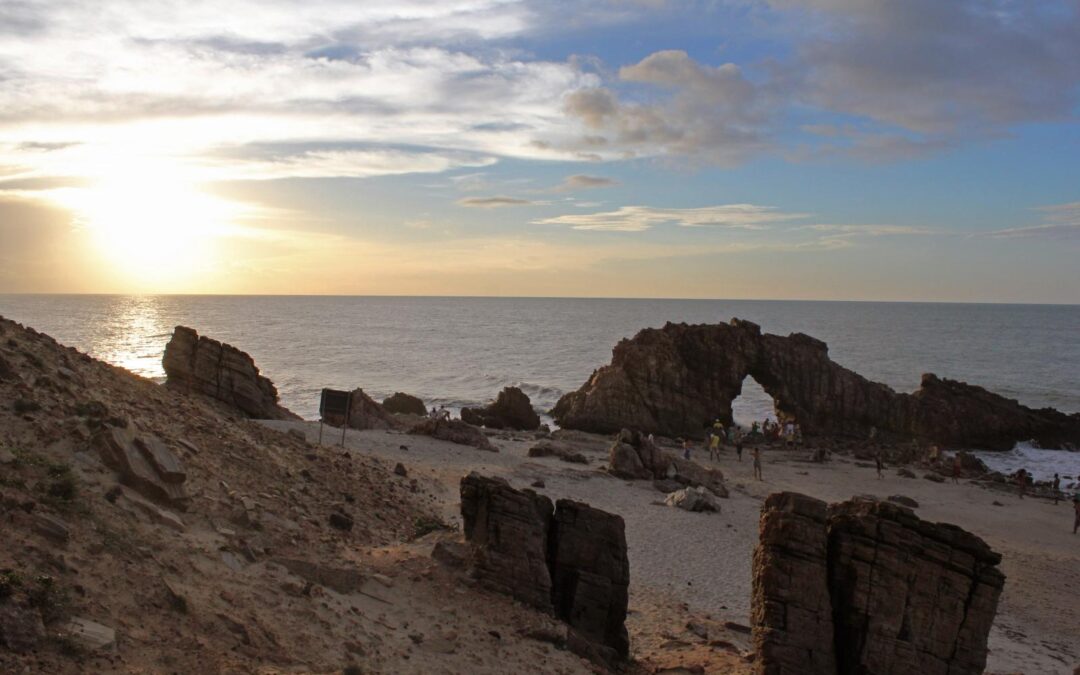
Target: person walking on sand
[
  {"x": 686, "y": 448},
  {"x": 878, "y": 464},
  {"x": 1021, "y": 482},
  {"x": 1057, "y": 488},
  {"x": 757, "y": 463},
  {"x": 738, "y": 445},
  {"x": 714, "y": 445},
  {"x": 956, "y": 468}
]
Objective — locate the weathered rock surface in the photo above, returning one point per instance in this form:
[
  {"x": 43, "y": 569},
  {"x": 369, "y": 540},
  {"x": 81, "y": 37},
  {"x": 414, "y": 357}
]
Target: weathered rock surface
[
  {"x": 364, "y": 413},
  {"x": 202, "y": 365},
  {"x": 454, "y": 431},
  {"x": 509, "y": 531},
  {"x": 672, "y": 380},
  {"x": 866, "y": 586},
  {"x": 404, "y": 404},
  {"x": 591, "y": 573},
  {"x": 568, "y": 559},
  {"x": 144, "y": 463},
  {"x": 341, "y": 579},
  {"x": 693, "y": 499},
  {"x": 512, "y": 409},
  {"x": 21, "y": 628}
]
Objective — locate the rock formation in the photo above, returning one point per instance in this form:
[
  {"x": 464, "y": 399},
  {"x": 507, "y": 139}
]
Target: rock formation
[
  {"x": 568, "y": 559},
  {"x": 200, "y": 365},
  {"x": 144, "y": 463},
  {"x": 454, "y": 431},
  {"x": 673, "y": 380},
  {"x": 563, "y": 451},
  {"x": 512, "y": 409},
  {"x": 635, "y": 457},
  {"x": 364, "y": 413},
  {"x": 868, "y": 587},
  {"x": 404, "y": 404}
]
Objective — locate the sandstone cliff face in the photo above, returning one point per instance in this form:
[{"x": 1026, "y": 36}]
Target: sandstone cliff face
[
  {"x": 568, "y": 559},
  {"x": 867, "y": 587},
  {"x": 674, "y": 380},
  {"x": 512, "y": 409},
  {"x": 200, "y": 365}
]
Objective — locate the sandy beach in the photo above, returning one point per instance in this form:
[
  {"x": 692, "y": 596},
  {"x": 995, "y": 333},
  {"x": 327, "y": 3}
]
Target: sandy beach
[{"x": 697, "y": 565}]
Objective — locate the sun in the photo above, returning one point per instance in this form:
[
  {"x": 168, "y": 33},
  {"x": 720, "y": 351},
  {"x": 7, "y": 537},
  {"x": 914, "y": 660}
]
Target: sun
[{"x": 152, "y": 225}]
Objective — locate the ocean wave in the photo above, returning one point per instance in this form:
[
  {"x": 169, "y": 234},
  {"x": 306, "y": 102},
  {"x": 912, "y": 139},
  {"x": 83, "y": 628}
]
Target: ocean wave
[{"x": 1042, "y": 463}]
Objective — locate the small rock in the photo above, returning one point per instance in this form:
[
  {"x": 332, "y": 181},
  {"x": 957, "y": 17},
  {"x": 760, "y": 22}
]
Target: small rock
[
  {"x": 904, "y": 501},
  {"x": 341, "y": 521},
  {"x": 698, "y": 629},
  {"x": 905, "y": 473},
  {"x": 400, "y": 470},
  {"x": 934, "y": 477},
  {"x": 21, "y": 628},
  {"x": 6, "y": 456},
  {"x": 383, "y": 579},
  {"x": 737, "y": 627},
  {"x": 538, "y": 483},
  {"x": 52, "y": 527}
]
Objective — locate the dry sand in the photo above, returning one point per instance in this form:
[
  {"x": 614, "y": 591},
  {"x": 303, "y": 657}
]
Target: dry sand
[{"x": 695, "y": 566}]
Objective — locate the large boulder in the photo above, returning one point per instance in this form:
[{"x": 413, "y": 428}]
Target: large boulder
[
  {"x": 672, "y": 380},
  {"x": 591, "y": 573},
  {"x": 866, "y": 586},
  {"x": 404, "y": 404},
  {"x": 634, "y": 456},
  {"x": 144, "y": 463},
  {"x": 200, "y": 365},
  {"x": 692, "y": 499},
  {"x": 454, "y": 431},
  {"x": 512, "y": 409},
  {"x": 569, "y": 560},
  {"x": 508, "y": 529}
]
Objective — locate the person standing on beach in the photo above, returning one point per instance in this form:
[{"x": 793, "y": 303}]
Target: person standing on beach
[
  {"x": 1021, "y": 482},
  {"x": 686, "y": 448},
  {"x": 878, "y": 464},
  {"x": 1076, "y": 512},
  {"x": 956, "y": 469},
  {"x": 738, "y": 445},
  {"x": 714, "y": 444},
  {"x": 757, "y": 464},
  {"x": 1057, "y": 488}
]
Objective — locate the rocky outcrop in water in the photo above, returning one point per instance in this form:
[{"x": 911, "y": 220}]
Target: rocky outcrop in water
[
  {"x": 674, "y": 380},
  {"x": 568, "y": 559},
  {"x": 868, "y": 587},
  {"x": 200, "y": 365},
  {"x": 512, "y": 409},
  {"x": 404, "y": 404}
]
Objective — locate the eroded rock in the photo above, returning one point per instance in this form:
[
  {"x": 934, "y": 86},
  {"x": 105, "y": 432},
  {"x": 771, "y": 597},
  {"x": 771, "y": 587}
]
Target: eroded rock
[
  {"x": 672, "y": 380},
  {"x": 201, "y": 365},
  {"x": 454, "y": 431},
  {"x": 404, "y": 404},
  {"x": 364, "y": 413}
]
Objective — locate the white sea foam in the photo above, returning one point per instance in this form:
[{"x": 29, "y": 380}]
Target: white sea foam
[{"x": 1040, "y": 462}]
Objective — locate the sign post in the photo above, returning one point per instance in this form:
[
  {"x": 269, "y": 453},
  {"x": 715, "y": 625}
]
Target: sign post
[{"x": 335, "y": 402}]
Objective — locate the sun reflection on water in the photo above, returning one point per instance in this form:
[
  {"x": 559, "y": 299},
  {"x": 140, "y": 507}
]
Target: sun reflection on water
[{"x": 130, "y": 335}]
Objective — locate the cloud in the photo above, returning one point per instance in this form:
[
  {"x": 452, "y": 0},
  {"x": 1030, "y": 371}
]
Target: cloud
[
  {"x": 584, "y": 182},
  {"x": 871, "y": 230},
  {"x": 493, "y": 202},
  {"x": 1059, "y": 222},
  {"x": 641, "y": 218}
]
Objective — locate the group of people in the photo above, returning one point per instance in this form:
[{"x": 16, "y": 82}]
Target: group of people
[
  {"x": 717, "y": 435},
  {"x": 790, "y": 431}
]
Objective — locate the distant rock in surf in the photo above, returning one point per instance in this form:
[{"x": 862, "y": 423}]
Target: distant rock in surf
[
  {"x": 512, "y": 409},
  {"x": 675, "y": 380},
  {"x": 404, "y": 404},
  {"x": 201, "y": 365}
]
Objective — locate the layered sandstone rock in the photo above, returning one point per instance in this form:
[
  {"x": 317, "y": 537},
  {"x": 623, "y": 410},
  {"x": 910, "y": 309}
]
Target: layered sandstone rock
[
  {"x": 674, "y": 380},
  {"x": 512, "y": 409},
  {"x": 404, "y": 404},
  {"x": 200, "y": 365},
  {"x": 568, "y": 559},
  {"x": 144, "y": 463},
  {"x": 868, "y": 587}
]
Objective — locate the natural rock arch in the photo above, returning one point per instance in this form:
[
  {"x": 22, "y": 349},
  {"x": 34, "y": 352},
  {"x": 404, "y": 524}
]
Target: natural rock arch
[{"x": 674, "y": 380}]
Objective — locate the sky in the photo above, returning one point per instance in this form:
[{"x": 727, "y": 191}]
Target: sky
[{"x": 796, "y": 149}]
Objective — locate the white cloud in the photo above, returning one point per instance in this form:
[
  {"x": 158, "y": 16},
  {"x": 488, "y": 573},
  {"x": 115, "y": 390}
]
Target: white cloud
[
  {"x": 641, "y": 218},
  {"x": 493, "y": 202},
  {"x": 584, "y": 182}
]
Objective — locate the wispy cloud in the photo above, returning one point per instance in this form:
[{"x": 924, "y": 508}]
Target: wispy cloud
[
  {"x": 493, "y": 202},
  {"x": 581, "y": 181},
  {"x": 1059, "y": 221},
  {"x": 641, "y": 218}
]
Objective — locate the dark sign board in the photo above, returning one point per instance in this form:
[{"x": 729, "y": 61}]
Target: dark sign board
[{"x": 334, "y": 402}]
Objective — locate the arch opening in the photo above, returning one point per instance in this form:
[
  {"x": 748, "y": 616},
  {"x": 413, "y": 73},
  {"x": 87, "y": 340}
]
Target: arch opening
[{"x": 753, "y": 404}]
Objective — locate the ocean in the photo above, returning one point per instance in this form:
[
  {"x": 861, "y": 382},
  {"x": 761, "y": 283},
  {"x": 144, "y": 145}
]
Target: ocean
[{"x": 462, "y": 351}]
